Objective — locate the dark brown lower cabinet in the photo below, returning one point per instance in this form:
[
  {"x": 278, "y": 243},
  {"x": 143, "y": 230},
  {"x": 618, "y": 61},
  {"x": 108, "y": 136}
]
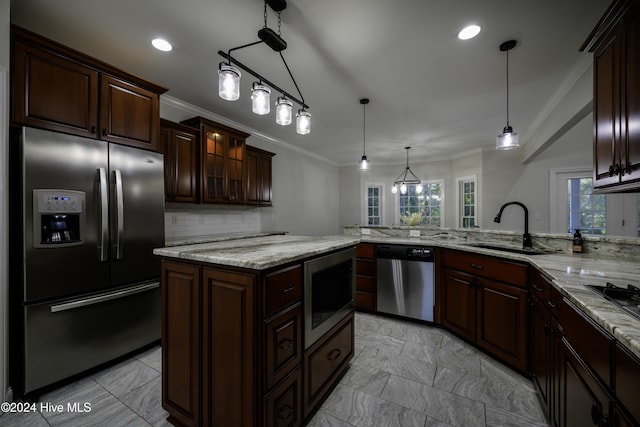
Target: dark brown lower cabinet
[
  {"x": 325, "y": 362},
  {"x": 181, "y": 343},
  {"x": 583, "y": 377},
  {"x": 484, "y": 301},
  {"x": 233, "y": 348},
  {"x": 583, "y": 401},
  {"x": 283, "y": 406},
  {"x": 459, "y": 303}
]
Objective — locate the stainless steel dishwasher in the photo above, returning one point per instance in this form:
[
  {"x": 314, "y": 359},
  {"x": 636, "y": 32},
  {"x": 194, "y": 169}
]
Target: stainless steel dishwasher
[{"x": 405, "y": 281}]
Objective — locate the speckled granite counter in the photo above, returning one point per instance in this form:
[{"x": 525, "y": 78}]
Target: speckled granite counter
[
  {"x": 569, "y": 273},
  {"x": 258, "y": 253},
  {"x": 181, "y": 241}
]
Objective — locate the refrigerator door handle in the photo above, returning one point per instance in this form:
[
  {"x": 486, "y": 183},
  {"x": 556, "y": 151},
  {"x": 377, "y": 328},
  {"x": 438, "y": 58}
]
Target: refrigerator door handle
[
  {"x": 119, "y": 215},
  {"x": 102, "y": 298},
  {"x": 104, "y": 214}
]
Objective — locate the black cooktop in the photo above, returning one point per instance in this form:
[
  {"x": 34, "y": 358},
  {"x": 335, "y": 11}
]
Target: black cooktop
[{"x": 627, "y": 298}]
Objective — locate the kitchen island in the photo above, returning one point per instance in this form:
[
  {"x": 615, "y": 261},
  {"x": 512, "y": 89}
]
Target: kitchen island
[{"x": 232, "y": 332}]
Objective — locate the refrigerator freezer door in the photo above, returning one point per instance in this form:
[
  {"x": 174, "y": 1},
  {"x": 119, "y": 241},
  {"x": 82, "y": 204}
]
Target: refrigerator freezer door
[
  {"x": 57, "y": 161},
  {"x": 66, "y": 337},
  {"x": 137, "y": 213}
]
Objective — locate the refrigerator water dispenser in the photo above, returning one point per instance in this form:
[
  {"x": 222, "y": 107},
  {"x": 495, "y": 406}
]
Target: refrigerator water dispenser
[{"x": 58, "y": 218}]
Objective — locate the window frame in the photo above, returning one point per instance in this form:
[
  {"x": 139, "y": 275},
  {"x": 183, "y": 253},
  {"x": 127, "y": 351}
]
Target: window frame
[
  {"x": 460, "y": 202},
  {"x": 365, "y": 203},
  {"x": 442, "y": 202}
]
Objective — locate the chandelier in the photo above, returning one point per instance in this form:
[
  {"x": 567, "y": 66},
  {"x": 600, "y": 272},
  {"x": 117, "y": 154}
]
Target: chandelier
[
  {"x": 229, "y": 78},
  {"x": 407, "y": 177}
]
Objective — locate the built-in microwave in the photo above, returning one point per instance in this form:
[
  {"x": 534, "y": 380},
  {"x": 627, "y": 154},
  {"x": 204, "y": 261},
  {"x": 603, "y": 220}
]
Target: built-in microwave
[{"x": 329, "y": 292}]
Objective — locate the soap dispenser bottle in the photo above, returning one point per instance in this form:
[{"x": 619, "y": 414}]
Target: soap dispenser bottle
[{"x": 578, "y": 242}]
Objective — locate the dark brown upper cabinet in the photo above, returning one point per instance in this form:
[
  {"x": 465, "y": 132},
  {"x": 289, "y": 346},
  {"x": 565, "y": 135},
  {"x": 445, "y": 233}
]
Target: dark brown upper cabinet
[
  {"x": 179, "y": 144},
  {"x": 258, "y": 176},
  {"x": 57, "y": 88},
  {"x": 222, "y": 162},
  {"x": 615, "y": 44}
]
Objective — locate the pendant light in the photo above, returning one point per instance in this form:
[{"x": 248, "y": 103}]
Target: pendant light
[
  {"x": 229, "y": 77},
  {"x": 508, "y": 139},
  {"x": 364, "y": 162},
  {"x": 283, "y": 111},
  {"x": 228, "y": 82},
  {"x": 406, "y": 177},
  {"x": 260, "y": 98},
  {"x": 303, "y": 122}
]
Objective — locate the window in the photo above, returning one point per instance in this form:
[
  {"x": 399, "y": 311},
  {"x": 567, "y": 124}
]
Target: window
[
  {"x": 586, "y": 212},
  {"x": 429, "y": 204},
  {"x": 467, "y": 198},
  {"x": 374, "y": 198},
  {"x": 572, "y": 206}
]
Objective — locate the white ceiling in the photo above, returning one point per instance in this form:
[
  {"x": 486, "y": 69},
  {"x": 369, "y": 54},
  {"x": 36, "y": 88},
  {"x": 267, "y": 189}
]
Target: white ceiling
[{"x": 429, "y": 90}]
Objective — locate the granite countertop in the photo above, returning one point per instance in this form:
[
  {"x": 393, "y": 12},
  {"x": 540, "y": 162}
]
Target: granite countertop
[
  {"x": 181, "y": 241},
  {"x": 569, "y": 274},
  {"x": 258, "y": 253}
]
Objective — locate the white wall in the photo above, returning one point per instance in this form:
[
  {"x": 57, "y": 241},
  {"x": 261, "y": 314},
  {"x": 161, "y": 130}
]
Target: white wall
[
  {"x": 4, "y": 166},
  {"x": 305, "y": 189},
  {"x": 529, "y": 183},
  {"x": 502, "y": 177}
]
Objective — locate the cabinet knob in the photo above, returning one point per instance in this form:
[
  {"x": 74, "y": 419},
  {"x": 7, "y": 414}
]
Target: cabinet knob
[
  {"x": 104, "y": 132},
  {"x": 93, "y": 130},
  {"x": 477, "y": 266},
  {"x": 287, "y": 290}
]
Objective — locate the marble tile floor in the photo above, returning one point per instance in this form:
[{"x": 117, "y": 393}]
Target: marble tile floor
[{"x": 403, "y": 374}]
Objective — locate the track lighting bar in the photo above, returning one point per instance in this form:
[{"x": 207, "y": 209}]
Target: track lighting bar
[{"x": 239, "y": 64}]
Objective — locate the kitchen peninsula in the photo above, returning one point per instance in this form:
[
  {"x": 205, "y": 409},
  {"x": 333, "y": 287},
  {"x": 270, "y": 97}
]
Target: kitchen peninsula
[{"x": 233, "y": 351}]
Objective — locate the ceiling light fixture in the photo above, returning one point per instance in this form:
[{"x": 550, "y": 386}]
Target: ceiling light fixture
[
  {"x": 229, "y": 77},
  {"x": 469, "y": 32},
  {"x": 406, "y": 178},
  {"x": 508, "y": 139},
  {"x": 364, "y": 162},
  {"x": 162, "y": 44}
]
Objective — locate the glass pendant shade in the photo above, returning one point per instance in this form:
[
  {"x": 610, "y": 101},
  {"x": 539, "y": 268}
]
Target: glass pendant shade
[
  {"x": 260, "y": 99},
  {"x": 228, "y": 82},
  {"x": 364, "y": 164},
  {"x": 303, "y": 122},
  {"x": 507, "y": 140},
  {"x": 394, "y": 189},
  {"x": 403, "y": 188},
  {"x": 283, "y": 111},
  {"x": 419, "y": 189}
]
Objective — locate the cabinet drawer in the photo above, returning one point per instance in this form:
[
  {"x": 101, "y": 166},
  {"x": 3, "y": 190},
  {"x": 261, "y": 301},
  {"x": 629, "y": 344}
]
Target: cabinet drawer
[
  {"x": 283, "y": 344},
  {"x": 283, "y": 406},
  {"x": 365, "y": 267},
  {"x": 282, "y": 288},
  {"x": 627, "y": 378},
  {"x": 540, "y": 287},
  {"x": 365, "y": 284},
  {"x": 365, "y": 301},
  {"x": 506, "y": 271},
  {"x": 366, "y": 250},
  {"x": 324, "y": 360},
  {"x": 592, "y": 343}
]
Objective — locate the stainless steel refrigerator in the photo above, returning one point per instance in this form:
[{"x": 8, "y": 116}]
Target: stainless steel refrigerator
[{"x": 85, "y": 216}]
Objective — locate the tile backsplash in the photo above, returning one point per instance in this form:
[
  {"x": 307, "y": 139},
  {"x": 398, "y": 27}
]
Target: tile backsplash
[{"x": 189, "y": 222}]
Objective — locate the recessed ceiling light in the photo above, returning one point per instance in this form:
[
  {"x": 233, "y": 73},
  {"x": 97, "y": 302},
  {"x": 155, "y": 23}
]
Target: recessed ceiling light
[
  {"x": 469, "y": 32},
  {"x": 162, "y": 44}
]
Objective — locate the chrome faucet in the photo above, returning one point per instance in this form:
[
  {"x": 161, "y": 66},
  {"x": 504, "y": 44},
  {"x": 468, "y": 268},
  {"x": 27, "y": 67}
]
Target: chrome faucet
[{"x": 526, "y": 237}]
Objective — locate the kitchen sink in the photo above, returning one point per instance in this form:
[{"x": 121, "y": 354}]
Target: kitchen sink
[{"x": 512, "y": 249}]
